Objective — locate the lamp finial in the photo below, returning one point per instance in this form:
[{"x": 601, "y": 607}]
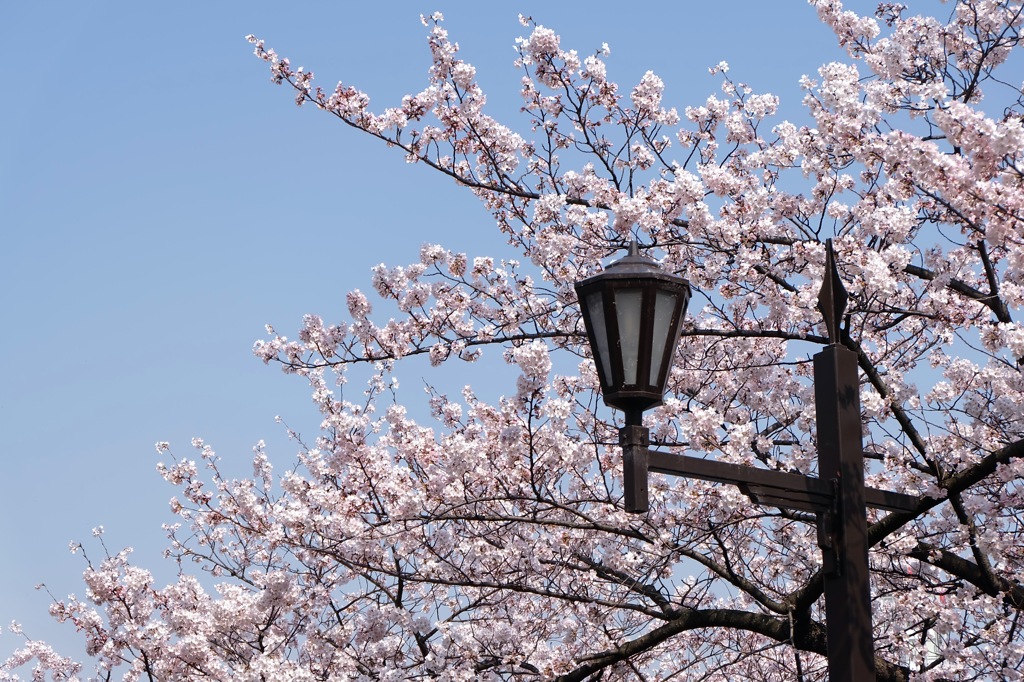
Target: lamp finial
[{"x": 833, "y": 297}]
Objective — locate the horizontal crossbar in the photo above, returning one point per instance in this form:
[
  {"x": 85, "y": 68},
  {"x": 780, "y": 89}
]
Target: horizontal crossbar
[{"x": 776, "y": 488}]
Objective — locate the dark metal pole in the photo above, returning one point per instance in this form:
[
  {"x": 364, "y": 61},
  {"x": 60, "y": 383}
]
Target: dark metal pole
[
  {"x": 634, "y": 438},
  {"x": 844, "y": 530}
]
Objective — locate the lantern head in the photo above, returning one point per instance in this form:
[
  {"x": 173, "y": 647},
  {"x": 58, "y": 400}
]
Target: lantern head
[{"x": 633, "y": 312}]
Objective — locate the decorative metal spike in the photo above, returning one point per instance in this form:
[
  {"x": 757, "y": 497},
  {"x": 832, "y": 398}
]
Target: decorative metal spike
[{"x": 833, "y": 297}]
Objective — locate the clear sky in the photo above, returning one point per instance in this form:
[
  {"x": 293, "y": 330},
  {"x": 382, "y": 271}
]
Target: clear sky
[{"x": 161, "y": 201}]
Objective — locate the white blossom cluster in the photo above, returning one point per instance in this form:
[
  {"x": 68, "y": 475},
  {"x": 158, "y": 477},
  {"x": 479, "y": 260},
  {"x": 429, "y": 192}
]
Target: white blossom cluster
[{"x": 490, "y": 543}]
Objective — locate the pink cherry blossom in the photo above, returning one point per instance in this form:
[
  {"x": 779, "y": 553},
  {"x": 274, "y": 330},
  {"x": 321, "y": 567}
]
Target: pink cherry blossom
[{"x": 489, "y": 541}]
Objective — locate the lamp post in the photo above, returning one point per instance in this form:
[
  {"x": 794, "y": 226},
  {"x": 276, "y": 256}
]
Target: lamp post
[{"x": 633, "y": 313}]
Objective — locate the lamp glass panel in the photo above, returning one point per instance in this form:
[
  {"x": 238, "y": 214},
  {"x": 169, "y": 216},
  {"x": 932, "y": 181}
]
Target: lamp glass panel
[
  {"x": 628, "y": 313},
  {"x": 664, "y": 306},
  {"x": 595, "y": 306}
]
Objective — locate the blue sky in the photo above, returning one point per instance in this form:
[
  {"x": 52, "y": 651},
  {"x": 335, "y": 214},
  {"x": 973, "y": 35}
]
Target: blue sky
[{"x": 161, "y": 201}]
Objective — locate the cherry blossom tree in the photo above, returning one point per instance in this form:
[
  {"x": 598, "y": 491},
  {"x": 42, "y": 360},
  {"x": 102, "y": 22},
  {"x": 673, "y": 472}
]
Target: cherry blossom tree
[{"x": 488, "y": 540}]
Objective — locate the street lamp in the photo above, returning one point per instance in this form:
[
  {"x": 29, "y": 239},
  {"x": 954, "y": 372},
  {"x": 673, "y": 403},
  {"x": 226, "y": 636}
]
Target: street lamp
[{"x": 633, "y": 313}]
